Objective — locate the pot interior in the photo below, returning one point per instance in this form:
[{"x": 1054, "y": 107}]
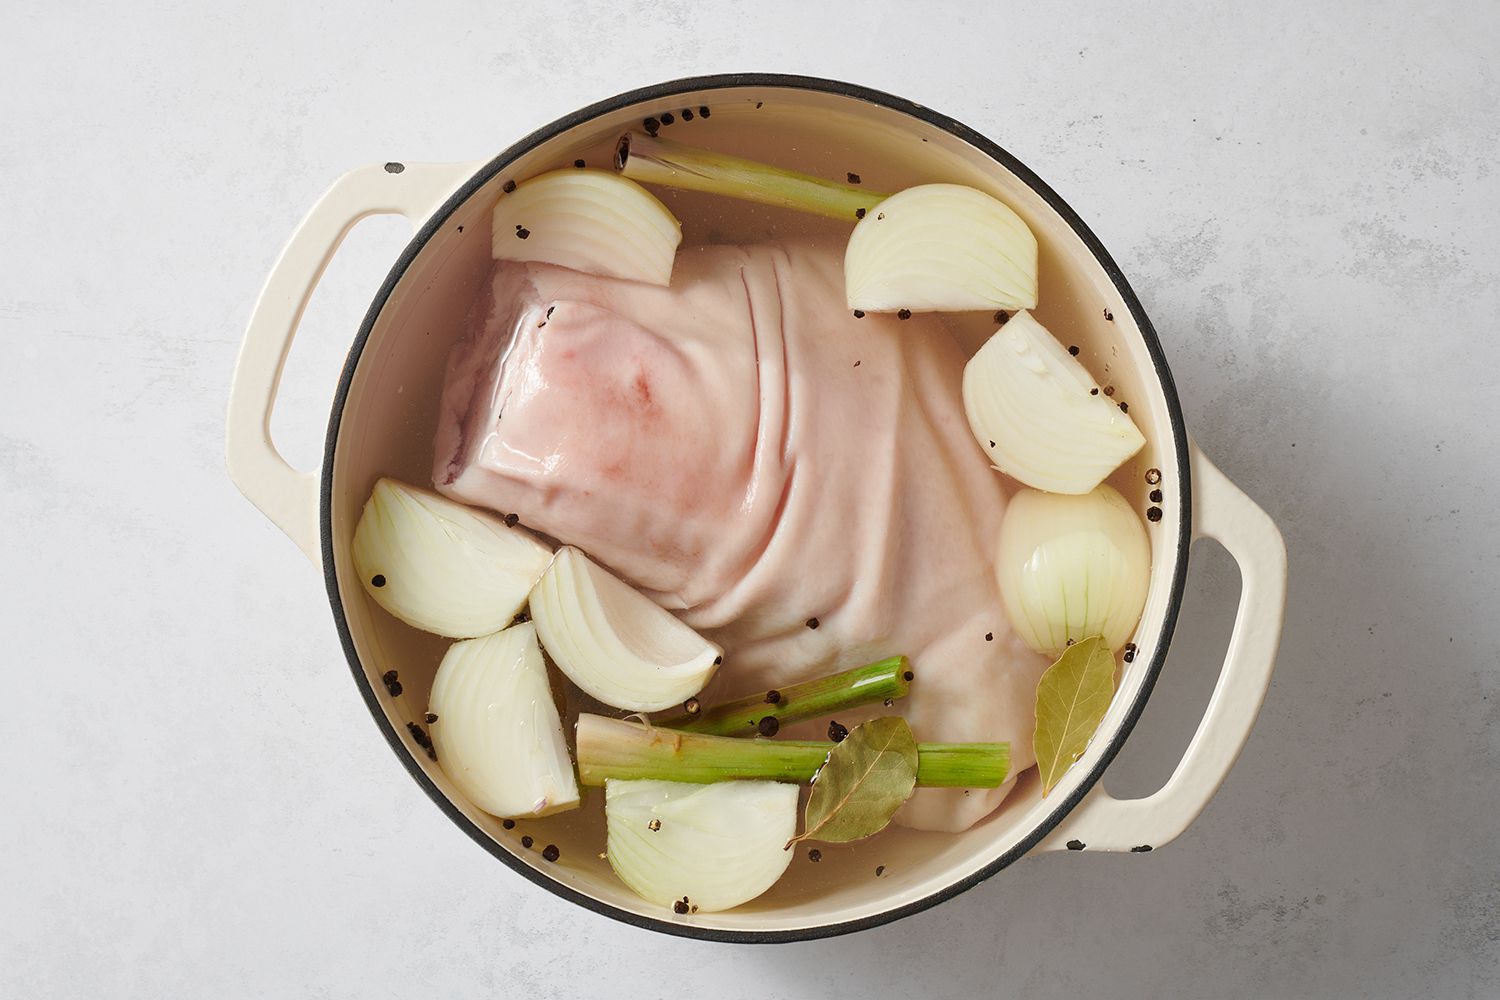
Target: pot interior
[{"x": 389, "y": 413}]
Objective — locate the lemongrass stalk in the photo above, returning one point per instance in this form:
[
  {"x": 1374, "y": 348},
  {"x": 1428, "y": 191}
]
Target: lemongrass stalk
[
  {"x": 651, "y": 160},
  {"x": 867, "y": 685},
  {"x": 962, "y": 765},
  {"x": 615, "y": 748}
]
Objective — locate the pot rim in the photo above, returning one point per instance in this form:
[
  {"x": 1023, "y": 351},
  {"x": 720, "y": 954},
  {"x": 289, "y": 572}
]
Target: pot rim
[{"x": 891, "y": 102}]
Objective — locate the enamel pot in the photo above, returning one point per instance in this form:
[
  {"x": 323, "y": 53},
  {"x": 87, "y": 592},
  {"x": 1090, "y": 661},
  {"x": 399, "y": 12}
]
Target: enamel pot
[{"x": 383, "y": 419}]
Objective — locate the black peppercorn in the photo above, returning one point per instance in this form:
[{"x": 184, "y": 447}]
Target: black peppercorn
[
  {"x": 773, "y": 697},
  {"x": 1124, "y": 406},
  {"x": 903, "y": 314},
  {"x": 431, "y": 717},
  {"x": 687, "y": 114},
  {"x": 703, "y": 111},
  {"x": 378, "y": 580},
  {"x": 1153, "y": 476},
  {"x": 526, "y": 841},
  {"x": 1155, "y": 496},
  {"x": 508, "y": 187},
  {"x": 578, "y": 163},
  {"x": 814, "y": 855},
  {"x": 768, "y": 726},
  {"x": 1109, "y": 390},
  {"x": 666, "y": 118},
  {"x": 989, "y": 637},
  {"x": 879, "y": 870},
  {"x": 1153, "y": 513},
  {"x": 908, "y": 675},
  {"x": 812, "y": 623},
  {"x": 522, "y": 232},
  {"x": 854, "y": 178},
  {"x": 1073, "y": 350},
  {"x": 680, "y": 906},
  {"x": 859, "y": 213},
  {"x": 1129, "y": 652},
  {"x": 511, "y": 520},
  {"x": 1002, "y": 317},
  {"x": 837, "y": 731},
  {"x": 859, "y": 314},
  {"x": 551, "y": 853}
]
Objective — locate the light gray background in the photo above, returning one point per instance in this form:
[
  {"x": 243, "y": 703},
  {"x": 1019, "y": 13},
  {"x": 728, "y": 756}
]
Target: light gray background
[{"x": 194, "y": 800}]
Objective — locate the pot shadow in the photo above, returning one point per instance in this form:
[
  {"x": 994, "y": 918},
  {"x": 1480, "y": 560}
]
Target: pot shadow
[{"x": 1352, "y": 850}]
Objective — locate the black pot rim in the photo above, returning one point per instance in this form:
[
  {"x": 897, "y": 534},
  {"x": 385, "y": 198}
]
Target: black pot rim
[{"x": 662, "y": 91}]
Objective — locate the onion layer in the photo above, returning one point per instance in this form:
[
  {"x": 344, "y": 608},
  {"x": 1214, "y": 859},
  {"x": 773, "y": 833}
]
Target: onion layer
[
  {"x": 1071, "y": 567},
  {"x": 1039, "y": 415},
  {"x": 497, "y": 734},
  {"x": 590, "y": 220},
  {"x": 712, "y": 846},
  {"x": 614, "y": 642},
  {"x": 940, "y": 247},
  {"x": 440, "y": 566}
]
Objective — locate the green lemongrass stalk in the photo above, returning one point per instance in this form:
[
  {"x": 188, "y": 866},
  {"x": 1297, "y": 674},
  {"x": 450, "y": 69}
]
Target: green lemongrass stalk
[
  {"x": 616, "y": 748},
  {"x": 962, "y": 765},
  {"x": 867, "y": 685},
  {"x": 650, "y": 160}
]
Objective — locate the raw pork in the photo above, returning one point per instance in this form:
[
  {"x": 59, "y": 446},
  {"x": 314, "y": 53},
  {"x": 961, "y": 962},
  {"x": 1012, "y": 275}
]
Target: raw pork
[{"x": 797, "y": 483}]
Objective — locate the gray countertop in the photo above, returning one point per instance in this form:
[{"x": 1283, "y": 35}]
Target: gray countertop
[{"x": 196, "y": 803}]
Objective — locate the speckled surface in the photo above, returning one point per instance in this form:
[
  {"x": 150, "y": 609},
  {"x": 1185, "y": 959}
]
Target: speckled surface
[{"x": 194, "y": 799}]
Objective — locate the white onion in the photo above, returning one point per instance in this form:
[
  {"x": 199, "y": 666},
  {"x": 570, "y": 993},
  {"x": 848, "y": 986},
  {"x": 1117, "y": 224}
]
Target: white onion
[
  {"x": 1071, "y": 567},
  {"x": 614, "y": 642},
  {"x": 716, "y": 845},
  {"x": 497, "y": 734},
  {"x": 1035, "y": 411},
  {"x": 440, "y": 566},
  {"x": 940, "y": 247},
  {"x": 589, "y": 220}
]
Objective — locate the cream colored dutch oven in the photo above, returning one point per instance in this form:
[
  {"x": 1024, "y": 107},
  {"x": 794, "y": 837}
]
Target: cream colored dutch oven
[{"x": 384, "y": 414}]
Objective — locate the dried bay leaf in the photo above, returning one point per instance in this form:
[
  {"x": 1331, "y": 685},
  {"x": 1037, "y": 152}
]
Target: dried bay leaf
[
  {"x": 864, "y": 781},
  {"x": 1071, "y": 699}
]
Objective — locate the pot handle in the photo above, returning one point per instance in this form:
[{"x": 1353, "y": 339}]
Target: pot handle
[
  {"x": 289, "y": 496},
  {"x": 1222, "y": 512}
]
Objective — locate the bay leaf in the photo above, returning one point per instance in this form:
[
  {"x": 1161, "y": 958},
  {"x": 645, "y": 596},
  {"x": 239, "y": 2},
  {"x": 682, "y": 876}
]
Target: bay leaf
[
  {"x": 862, "y": 783},
  {"x": 1071, "y": 699}
]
